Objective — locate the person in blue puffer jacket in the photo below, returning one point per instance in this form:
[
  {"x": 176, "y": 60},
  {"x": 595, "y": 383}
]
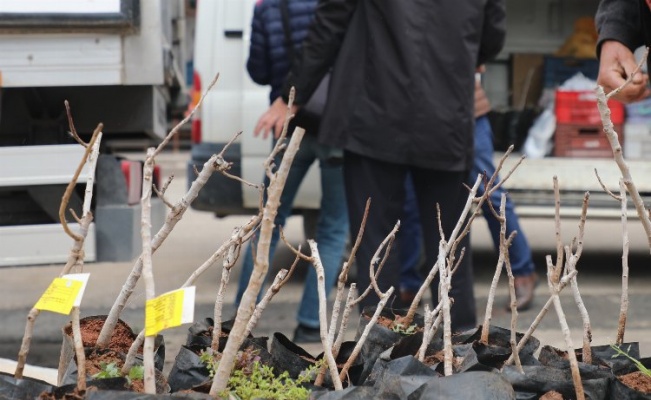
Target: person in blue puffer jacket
[{"x": 268, "y": 64}]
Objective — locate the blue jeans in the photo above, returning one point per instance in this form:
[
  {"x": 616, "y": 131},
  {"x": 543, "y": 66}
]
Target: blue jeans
[
  {"x": 410, "y": 235},
  {"x": 331, "y": 230},
  {"x": 519, "y": 252}
]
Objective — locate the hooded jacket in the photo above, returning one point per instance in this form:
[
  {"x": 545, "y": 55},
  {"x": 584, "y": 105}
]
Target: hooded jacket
[
  {"x": 268, "y": 62},
  {"x": 402, "y": 86}
]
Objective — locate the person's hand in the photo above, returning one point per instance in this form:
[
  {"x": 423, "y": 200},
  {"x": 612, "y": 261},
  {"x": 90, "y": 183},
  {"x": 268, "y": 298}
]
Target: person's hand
[
  {"x": 273, "y": 119},
  {"x": 616, "y": 64}
]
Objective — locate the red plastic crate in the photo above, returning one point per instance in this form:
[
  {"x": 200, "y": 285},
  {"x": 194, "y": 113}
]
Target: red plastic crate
[
  {"x": 584, "y": 141},
  {"x": 580, "y": 107}
]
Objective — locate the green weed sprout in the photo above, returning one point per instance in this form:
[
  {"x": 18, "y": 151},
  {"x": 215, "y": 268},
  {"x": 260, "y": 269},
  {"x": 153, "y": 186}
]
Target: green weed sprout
[
  {"x": 637, "y": 363},
  {"x": 403, "y": 329},
  {"x": 261, "y": 383},
  {"x": 252, "y": 380},
  {"x": 111, "y": 370}
]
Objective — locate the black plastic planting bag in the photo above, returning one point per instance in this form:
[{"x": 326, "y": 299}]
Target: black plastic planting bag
[
  {"x": 188, "y": 369},
  {"x": 355, "y": 370},
  {"x": 379, "y": 338},
  {"x": 401, "y": 376},
  {"x": 541, "y": 379},
  {"x": 410, "y": 345},
  {"x": 501, "y": 337},
  {"x": 70, "y": 374},
  {"x": 354, "y": 393},
  {"x": 114, "y": 384},
  {"x": 619, "y": 390},
  {"x": 287, "y": 356},
  {"x": 481, "y": 357},
  {"x": 476, "y": 385},
  {"x": 115, "y": 395},
  {"x": 26, "y": 388},
  {"x": 68, "y": 347}
]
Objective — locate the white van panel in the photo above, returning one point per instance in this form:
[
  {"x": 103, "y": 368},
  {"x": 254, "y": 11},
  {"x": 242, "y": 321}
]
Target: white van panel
[{"x": 236, "y": 102}]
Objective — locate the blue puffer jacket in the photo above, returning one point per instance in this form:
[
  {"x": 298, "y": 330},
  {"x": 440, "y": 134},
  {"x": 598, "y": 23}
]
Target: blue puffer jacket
[{"x": 268, "y": 61}]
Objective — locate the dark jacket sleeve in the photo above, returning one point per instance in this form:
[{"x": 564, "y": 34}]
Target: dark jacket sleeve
[
  {"x": 493, "y": 32},
  {"x": 619, "y": 20},
  {"x": 320, "y": 48},
  {"x": 258, "y": 65}
]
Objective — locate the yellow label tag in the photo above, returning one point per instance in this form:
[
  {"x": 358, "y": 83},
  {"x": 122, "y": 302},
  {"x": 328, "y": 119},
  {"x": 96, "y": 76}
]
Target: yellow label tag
[
  {"x": 168, "y": 310},
  {"x": 60, "y": 296}
]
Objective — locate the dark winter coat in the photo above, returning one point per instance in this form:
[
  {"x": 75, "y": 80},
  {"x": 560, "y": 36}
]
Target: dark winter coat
[
  {"x": 402, "y": 87},
  {"x": 268, "y": 61},
  {"x": 626, "y": 21}
]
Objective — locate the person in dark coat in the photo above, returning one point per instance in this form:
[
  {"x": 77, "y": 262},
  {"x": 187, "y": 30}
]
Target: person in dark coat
[
  {"x": 401, "y": 101},
  {"x": 623, "y": 26}
]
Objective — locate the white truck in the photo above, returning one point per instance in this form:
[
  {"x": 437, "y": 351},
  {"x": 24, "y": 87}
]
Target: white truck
[
  {"x": 221, "y": 46},
  {"x": 119, "y": 62}
]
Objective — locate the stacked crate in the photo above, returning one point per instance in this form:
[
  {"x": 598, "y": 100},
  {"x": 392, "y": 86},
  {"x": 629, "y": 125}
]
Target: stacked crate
[{"x": 579, "y": 132}]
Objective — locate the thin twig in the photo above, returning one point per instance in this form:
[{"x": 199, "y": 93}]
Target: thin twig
[
  {"x": 73, "y": 131},
  {"x": 623, "y": 307},
  {"x": 281, "y": 279},
  {"x": 185, "y": 120},
  {"x": 73, "y": 183}
]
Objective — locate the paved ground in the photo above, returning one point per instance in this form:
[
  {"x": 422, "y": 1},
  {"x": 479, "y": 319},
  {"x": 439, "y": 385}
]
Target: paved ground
[{"x": 199, "y": 234}]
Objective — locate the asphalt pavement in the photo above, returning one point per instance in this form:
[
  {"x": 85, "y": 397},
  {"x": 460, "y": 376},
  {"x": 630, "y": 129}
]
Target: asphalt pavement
[{"x": 199, "y": 234}]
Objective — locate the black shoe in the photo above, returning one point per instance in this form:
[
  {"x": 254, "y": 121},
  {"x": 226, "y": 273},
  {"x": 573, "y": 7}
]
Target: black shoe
[{"x": 305, "y": 334}]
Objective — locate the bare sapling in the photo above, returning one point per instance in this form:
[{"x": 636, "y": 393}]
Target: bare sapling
[
  {"x": 384, "y": 296},
  {"x": 232, "y": 250},
  {"x": 513, "y": 303},
  {"x": 147, "y": 267},
  {"x": 553, "y": 276},
  {"x": 432, "y": 322},
  {"x": 330, "y": 345},
  {"x": 618, "y": 156},
  {"x": 214, "y": 164},
  {"x": 76, "y": 259},
  {"x": 343, "y": 278},
  {"x": 501, "y": 260},
  {"x": 514, "y": 315},
  {"x": 326, "y": 340},
  {"x": 623, "y": 304},
  {"x": 554, "y": 273},
  {"x": 261, "y": 265},
  {"x": 351, "y": 300},
  {"x": 565, "y": 280},
  {"x": 228, "y": 262},
  {"x": 571, "y": 259},
  {"x": 76, "y": 255}
]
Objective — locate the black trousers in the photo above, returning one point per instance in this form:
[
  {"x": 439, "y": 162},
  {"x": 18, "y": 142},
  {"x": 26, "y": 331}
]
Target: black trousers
[{"x": 384, "y": 184}]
